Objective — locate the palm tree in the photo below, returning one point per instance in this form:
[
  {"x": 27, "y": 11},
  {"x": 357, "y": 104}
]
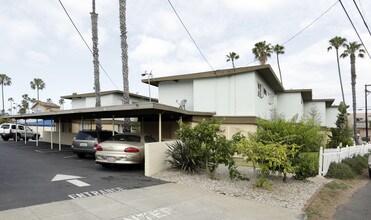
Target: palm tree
[
  {"x": 124, "y": 57},
  {"x": 351, "y": 49},
  {"x": 337, "y": 42},
  {"x": 4, "y": 81},
  {"x": 279, "y": 49},
  {"x": 94, "y": 24},
  {"x": 37, "y": 84},
  {"x": 262, "y": 51},
  {"x": 232, "y": 57},
  {"x": 61, "y": 102},
  {"x": 11, "y": 100}
]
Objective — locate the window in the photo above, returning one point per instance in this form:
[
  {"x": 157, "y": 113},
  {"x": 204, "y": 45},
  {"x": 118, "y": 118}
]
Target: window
[
  {"x": 149, "y": 139},
  {"x": 5, "y": 126},
  {"x": 260, "y": 92}
]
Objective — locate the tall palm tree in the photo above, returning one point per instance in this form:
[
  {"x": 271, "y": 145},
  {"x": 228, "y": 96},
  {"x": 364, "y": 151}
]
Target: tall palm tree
[
  {"x": 279, "y": 49},
  {"x": 4, "y": 81},
  {"x": 37, "y": 84},
  {"x": 351, "y": 49},
  {"x": 124, "y": 57},
  {"x": 11, "y": 100},
  {"x": 94, "y": 24},
  {"x": 262, "y": 51},
  {"x": 232, "y": 56},
  {"x": 337, "y": 42}
]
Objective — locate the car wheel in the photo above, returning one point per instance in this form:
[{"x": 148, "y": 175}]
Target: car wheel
[
  {"x": 17, "y": 137},
  {"x": 5, "y": 138},
  {"x": 27, "y": 139},
  {"x": 80, "y": 155},
  {"x": 105, "y": 165}
]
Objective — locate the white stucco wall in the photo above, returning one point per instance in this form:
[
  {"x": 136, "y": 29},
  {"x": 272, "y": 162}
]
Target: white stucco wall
[
  {"x": 227, "y": 96},
  {"x": 319, "y": 106},
  {"x": 78, "y": 103},
  {"x": 290, "y": 104},
  {"x": 331, "y": 116},
  {"x": 265, "y": 103},
  {"x": 170, "y": 91}
]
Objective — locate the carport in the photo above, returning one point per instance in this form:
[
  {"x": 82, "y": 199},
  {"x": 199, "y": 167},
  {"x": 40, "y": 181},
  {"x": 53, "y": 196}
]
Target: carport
[{"x": 147, "y": 113}]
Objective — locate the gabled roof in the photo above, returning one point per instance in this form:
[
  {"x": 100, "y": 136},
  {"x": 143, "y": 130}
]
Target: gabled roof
[
  {"x": 92, "y": 94},
  {"x": 46, "y": 104},
  {"x": 265, "y": 71}
]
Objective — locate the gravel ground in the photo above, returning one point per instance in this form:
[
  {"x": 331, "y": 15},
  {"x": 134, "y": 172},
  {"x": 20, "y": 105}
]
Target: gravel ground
[{"x": 293, "y": 194}]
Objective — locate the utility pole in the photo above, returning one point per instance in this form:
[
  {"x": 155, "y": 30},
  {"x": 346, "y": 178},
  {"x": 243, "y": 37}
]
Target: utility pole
[
  {"x": 149, "y": 82},
  {"x": 366, "y": 115}
]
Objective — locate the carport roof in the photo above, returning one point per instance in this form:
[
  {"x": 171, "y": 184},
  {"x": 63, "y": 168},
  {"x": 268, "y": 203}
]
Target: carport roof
[{"x": 146, "y": 110}]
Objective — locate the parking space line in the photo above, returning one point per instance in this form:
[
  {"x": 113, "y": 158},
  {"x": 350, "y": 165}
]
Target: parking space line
[{"x": 69, "y": 156}]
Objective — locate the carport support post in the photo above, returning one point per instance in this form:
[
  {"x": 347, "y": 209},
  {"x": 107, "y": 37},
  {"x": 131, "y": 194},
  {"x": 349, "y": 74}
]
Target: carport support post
[
  {"x": 159, "y": 127},
  {"x": 37, "y": 132},
  {"x": 51, "y": 134},
  {"x": 16, "y": 130},
  {"x": 113, "y": 125},
  {"x": 59, "y": 134},
  {"x": 25, "y": 131}
]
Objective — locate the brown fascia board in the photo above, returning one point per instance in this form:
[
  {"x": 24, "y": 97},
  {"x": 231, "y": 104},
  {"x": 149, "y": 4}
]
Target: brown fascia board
[
  {"x": 92, "y": 94},
  {"x": 265, "y": 71}
]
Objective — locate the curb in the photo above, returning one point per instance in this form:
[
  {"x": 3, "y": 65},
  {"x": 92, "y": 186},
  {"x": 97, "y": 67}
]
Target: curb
[{"x": 311, "y": 199}]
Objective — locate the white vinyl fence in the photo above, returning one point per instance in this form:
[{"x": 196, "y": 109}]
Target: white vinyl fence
[{"x": 327, "y": 156}]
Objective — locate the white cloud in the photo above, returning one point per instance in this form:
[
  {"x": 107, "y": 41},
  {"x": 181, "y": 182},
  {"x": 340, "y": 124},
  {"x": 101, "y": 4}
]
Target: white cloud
[
  {"x": 152, "y": 48},
  {"x": 35, "y": 58},
  {"x": 259, "y": 6}
]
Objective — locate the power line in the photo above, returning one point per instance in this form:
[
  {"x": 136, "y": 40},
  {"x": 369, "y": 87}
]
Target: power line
[
  {"x": 189, "y": 34},
  {"x": 362, "y": 16},
  {"x": 73, "y": 23},
  {"x": 302, "y": 30},
  {"x": 310, "y": 24},
  {"x": 355, "y": 29}
]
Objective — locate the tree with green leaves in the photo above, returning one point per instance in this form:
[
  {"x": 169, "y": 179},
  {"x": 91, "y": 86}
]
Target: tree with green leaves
[
  {"x": 231, "y": 57},
  {"x": 341, "y": 135},
  {"x": 279, "y": 49},
  {"x": 262, "y": 51},
  {"x": 37, "y": 84},
  {"x": 4, "y": 81},
  {"x": 337, "y": 42},
  {"x": 124, "y": 59},
  {"x": 61, "y": 102},
  {"x": 353, "y": 49}
]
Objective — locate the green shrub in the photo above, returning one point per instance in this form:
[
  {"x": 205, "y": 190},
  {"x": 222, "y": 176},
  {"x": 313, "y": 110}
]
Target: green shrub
[
  {"x": 357, "y": 163},
  {"x": 263, "y": 183},
  {"x": 340, "y": 171},
  {"x": 306, "y": 165},
  {"x": 181, "y": 157},
  {"x": 208, "y": 147}
]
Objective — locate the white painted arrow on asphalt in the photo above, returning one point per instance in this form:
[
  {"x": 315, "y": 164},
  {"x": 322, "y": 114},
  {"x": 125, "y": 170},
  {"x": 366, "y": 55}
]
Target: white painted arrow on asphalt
[{"x": 71, "y": 179}]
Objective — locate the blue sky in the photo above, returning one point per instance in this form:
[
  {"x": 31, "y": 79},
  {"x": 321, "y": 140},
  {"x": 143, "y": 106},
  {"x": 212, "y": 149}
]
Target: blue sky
[{"x": 38, "y": 41}]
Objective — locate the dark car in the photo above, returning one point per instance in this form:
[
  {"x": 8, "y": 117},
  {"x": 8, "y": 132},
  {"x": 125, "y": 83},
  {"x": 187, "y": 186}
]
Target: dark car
[
  {"x": 86, "y": 141},
  {"x": 369, "y": 165}
]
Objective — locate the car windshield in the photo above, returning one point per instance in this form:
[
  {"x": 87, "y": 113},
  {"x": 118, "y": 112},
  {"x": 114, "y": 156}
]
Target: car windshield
[{"x": 126, "y": 137}]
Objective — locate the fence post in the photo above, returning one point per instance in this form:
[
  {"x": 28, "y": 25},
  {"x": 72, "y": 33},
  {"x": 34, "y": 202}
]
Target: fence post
[
  {"x": 320, "y": 161},
  {"x": 338, "y": 149}
]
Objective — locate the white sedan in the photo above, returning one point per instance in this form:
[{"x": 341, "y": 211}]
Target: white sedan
[{"x": 124, "y": 148}]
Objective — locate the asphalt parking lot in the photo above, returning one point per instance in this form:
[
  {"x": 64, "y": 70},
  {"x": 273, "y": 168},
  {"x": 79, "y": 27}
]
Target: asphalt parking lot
[{"x": 32, "y": 175}]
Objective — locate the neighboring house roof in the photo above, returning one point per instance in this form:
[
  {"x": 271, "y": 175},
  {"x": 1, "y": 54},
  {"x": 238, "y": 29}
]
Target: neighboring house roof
[
  {"x": 328, "y": 101},
  {"x": 265, "y": 71},
  {"x": 306, "y": 94},
  {"x": 46, "y": 104},
  {"x": 92, "y": 94}
]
